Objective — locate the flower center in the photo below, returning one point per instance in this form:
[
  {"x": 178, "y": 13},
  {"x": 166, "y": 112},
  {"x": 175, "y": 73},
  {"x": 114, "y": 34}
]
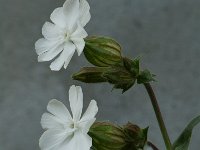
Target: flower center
[
  {"x": 74, "y": 125},
  {"x": 66, "y": 37}
]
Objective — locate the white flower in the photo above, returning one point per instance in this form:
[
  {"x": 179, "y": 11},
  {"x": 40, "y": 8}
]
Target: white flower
[
  {"x": 65, "y": 34},
  {"x": 63, "y": 131}
]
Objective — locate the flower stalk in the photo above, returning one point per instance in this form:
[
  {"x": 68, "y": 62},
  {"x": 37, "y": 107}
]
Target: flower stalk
[{"x": 158, "y": 116}]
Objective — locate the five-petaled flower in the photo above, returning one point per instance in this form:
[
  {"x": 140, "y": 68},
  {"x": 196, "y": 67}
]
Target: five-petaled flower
[
  {"x": 65, "y": 132},
  {"x": 65, "y": 35}
]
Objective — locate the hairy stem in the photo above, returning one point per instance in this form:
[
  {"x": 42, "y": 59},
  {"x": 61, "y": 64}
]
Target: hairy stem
[{"x": 158, "y": 116}]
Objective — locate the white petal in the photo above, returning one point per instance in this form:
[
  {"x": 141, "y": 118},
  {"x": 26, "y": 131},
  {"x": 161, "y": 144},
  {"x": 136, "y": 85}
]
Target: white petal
[
  {"x": 76, "y": 101},
  {"x": 91, "y": 111},
  {"x": 79, "y": 32},
  {"x": 86, "y": 124},
  {"x": 58, "y": 109},
  {"x": 84, "y": 141},
  {"x": 84, "y": 12},
  {"x": 48, "y": 121},
  {"x": 64, "y": 57},
  {"x": 51, "y": 31},
  {"x": 42, "y": 45},
  {"x": 70, "y": 48},
  {"x": 58, "y": 17},
  {"x": 71, "y": 12},
  {"x": 80, "y": 44},
  {"x": 79, "y": 141},
  {"x": 52, "y": 53},
  {"x": 51, "y": 139},
  {"x": 88, "y": 117}
]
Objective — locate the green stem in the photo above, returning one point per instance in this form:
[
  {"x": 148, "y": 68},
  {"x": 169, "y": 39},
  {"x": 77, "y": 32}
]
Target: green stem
[{"x": 158, "y": 116}]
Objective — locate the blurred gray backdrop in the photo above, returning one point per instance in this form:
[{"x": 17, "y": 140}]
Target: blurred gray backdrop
[{"x": 165, "y": 33}]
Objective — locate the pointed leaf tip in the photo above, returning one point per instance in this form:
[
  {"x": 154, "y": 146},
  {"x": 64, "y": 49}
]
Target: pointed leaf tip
[{"x": 183, "y": 141}]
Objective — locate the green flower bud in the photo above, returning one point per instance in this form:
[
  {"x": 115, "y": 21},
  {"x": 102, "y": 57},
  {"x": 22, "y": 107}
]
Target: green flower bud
[
  {"x": 107, "y": 136},
  {"x": 136, "y": 135},
  {"x": 117, "y": 75},
  {"x": 102, "y": 51},
  {"x": 133, "y": 66},
  {"x": 90, "y": 75},
  {"x": 120, "y": 77}
]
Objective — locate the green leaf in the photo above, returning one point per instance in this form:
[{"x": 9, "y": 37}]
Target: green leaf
[{"x": 182, "y": 143}]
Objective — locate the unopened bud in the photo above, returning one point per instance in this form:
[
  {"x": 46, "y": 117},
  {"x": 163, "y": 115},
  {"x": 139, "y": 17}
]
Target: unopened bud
[
  {"x": 120, "y": 77},
  {"x": 90, "y": 75},
  {"x": 102, "y": 51},
  {"x": 133, "y": 66},
  {"x": 107, "y": 136},
  {"x": 116, "y": 75},
  {"x": 137, "y": 136}
]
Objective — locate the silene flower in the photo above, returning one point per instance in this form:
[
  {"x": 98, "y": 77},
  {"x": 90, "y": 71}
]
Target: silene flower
[
  {"x": 65, "y": 131},
  {"x": 65, "y": 35}
]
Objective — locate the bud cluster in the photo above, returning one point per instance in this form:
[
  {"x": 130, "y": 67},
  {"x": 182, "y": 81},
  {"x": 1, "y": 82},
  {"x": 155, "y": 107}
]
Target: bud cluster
[{"x": 105, "y": 54}]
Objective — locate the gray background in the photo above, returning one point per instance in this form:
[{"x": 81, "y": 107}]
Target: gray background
[{"x": 165, "y": 33}]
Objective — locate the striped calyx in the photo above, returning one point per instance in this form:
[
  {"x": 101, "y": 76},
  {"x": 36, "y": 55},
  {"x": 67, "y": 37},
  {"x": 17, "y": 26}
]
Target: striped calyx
[{"x": 102, "y": 51}]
